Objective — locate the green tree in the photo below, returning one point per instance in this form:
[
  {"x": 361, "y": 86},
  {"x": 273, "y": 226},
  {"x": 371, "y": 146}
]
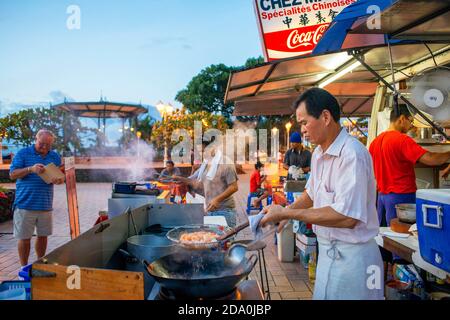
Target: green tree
[
  {"x": 22, "y": 126},
  {"x": 181, "y": 119},
  {"x": 144, "y": 126},
  {"x": 206, "y": 91},
  {"x": 253, "y": 62}
]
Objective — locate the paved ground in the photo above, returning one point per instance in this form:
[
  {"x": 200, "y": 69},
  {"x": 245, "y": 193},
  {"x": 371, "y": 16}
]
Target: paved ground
[{"x": 286, "y": 280}]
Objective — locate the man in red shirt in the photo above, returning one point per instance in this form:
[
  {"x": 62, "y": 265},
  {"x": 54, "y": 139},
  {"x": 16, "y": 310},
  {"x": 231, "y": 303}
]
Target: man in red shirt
[
  {"x": 394, "y": 157},
  {"x": 255, "y": 185}
]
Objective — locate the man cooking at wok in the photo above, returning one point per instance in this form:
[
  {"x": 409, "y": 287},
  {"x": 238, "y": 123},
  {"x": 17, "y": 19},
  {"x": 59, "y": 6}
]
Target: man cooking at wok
[
  {"x": 340, "y": 203},
  {"x": 217, "y": 181}
]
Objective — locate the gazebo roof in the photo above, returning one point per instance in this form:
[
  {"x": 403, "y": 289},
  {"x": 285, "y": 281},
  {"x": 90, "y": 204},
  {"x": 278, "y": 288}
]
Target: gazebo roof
[{"x": 102, "y": 109}]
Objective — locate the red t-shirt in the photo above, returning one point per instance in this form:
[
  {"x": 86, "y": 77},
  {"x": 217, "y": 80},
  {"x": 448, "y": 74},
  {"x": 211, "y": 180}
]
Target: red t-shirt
[
  {"x": 394, "y": 157},
  {"x": 255, "y": 181}
]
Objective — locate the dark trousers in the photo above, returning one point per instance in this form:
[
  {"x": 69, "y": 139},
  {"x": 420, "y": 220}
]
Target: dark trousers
[{"x": 386, "y": 212}]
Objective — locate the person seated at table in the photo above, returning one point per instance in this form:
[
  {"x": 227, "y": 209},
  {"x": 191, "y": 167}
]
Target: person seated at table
[
  {"x": 256, "y": 181},
  {"x": 297, "y": 157},
  {"x": 170, "y": 170}
]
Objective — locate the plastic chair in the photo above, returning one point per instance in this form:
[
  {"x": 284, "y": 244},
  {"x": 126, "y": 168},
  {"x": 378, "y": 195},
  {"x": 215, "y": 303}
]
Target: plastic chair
[{"x": 250, "y": 207}]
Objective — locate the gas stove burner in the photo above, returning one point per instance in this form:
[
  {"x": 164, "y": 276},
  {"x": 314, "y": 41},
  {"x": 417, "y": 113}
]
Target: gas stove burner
[
  {"x": 165, "y": 294},
  {"x": 247, "y": 290}
]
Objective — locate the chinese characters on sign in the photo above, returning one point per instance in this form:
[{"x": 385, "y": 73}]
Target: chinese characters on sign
[{"x": 292, "y": 28}]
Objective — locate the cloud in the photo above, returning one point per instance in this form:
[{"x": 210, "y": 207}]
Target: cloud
[
  {"x": 11, "y": 107},
  {"x": 157, "y": 42},
  {"x": 55, "y": 97}
]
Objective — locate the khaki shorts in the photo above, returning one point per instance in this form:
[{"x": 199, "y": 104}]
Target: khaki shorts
[{"x": 25, "y": 221}]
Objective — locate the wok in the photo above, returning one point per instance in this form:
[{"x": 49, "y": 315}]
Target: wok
[{"x": 196, "y": 275}]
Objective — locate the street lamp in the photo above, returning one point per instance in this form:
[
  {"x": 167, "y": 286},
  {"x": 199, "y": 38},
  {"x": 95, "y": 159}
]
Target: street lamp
[
  {"x": 165, "y": 110},
  {"x": 2, "y": 135},
  {"x": 138, "y": 135},
  {"x": 274, "y": 144},
  {"x": 288, "y": 129}
]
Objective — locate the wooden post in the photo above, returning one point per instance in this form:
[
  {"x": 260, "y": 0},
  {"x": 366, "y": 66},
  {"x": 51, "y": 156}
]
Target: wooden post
[{"x": 72, "y": 200}]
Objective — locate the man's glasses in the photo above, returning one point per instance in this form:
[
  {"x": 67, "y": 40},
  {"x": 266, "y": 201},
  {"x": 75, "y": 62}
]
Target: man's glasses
[{"x": 43, "y": 144}]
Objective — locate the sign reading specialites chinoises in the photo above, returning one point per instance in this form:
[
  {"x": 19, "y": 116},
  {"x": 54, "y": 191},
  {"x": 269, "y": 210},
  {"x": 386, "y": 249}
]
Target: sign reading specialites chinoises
[{"x": 292, "y": 28}]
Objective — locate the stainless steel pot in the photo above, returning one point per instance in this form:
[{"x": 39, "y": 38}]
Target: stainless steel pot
[
  {"x": 147, "y": 248},
  {"x": 425, "y": 133},
  {"x": 406, "y": 212},
  {"x": 150, "y": 247}
]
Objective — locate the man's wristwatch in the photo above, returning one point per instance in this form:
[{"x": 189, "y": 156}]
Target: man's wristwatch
[{"x": 29, "y": 169}]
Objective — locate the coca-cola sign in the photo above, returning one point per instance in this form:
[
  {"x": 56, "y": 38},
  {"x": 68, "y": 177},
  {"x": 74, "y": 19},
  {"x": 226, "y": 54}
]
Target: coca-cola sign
[
  {"x": 294, "y": 27},
  {"x": 305, "y": 39}
]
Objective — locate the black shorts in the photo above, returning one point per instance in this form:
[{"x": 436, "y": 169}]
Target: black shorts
[{"x": 258, "y": 192}]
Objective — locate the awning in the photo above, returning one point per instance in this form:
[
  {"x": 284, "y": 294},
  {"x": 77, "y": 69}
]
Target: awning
[
  {"x": 102, "y": 109},
  {"x": 411, "y": 20},
  {"x": 281, "y": 104},
  {"x": 270, "y": 85}
]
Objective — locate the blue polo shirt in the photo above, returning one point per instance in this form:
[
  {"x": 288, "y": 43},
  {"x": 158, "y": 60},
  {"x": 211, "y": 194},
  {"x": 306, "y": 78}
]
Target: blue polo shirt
[{"x": 32, "y": 193}]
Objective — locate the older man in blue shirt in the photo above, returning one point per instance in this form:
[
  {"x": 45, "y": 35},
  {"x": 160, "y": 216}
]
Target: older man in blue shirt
[{"x": 34, "y": 198}]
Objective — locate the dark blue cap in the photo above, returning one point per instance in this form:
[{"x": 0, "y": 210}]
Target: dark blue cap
[{"x": 296, "y": 138}]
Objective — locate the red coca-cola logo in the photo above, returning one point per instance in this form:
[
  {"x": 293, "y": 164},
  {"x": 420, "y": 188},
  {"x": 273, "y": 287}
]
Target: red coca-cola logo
[{"x": 305, "y": 39}]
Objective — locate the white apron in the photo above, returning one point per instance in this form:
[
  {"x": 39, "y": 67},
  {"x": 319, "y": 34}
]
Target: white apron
[{"x": 346, "y": 271}]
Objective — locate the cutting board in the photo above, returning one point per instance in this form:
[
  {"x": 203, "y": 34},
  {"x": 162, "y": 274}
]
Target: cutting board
[{"x": 400, "y": 227}]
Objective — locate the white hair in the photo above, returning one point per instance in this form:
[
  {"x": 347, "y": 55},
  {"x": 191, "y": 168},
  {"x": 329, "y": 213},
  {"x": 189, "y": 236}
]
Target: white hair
[{"x": 45, "y": 132}]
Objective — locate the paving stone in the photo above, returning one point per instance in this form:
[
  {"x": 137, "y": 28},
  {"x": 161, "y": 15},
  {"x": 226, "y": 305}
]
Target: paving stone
[
  {"x": 297, "y": 277},
  {"x": 299, "y": 285},
  {"x": 277, "y": 272},
  {"x": 295, "y": 295},
  {"x": 281, "y": 289},
  {"x": 275, "y": 296}
]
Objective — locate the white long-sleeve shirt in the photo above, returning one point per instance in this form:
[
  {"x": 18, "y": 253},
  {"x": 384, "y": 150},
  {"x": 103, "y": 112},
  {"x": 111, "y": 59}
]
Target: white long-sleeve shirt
[{"x": 343, "y": 178}]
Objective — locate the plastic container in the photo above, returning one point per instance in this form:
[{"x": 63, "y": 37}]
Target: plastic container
[
  {"x": 304, "y": 259},
  {"x": 286, "y": 243},
  {"x": 397, "y": 290},
  {"x": 422, "y": 184},
  {"x": 312, "y": 267},
  {"x": 306, "y": 244},
  {"x": 24, "y": 273},
  {"x": 433, "y": 226},
  {"x": 15, "y": 290}
]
